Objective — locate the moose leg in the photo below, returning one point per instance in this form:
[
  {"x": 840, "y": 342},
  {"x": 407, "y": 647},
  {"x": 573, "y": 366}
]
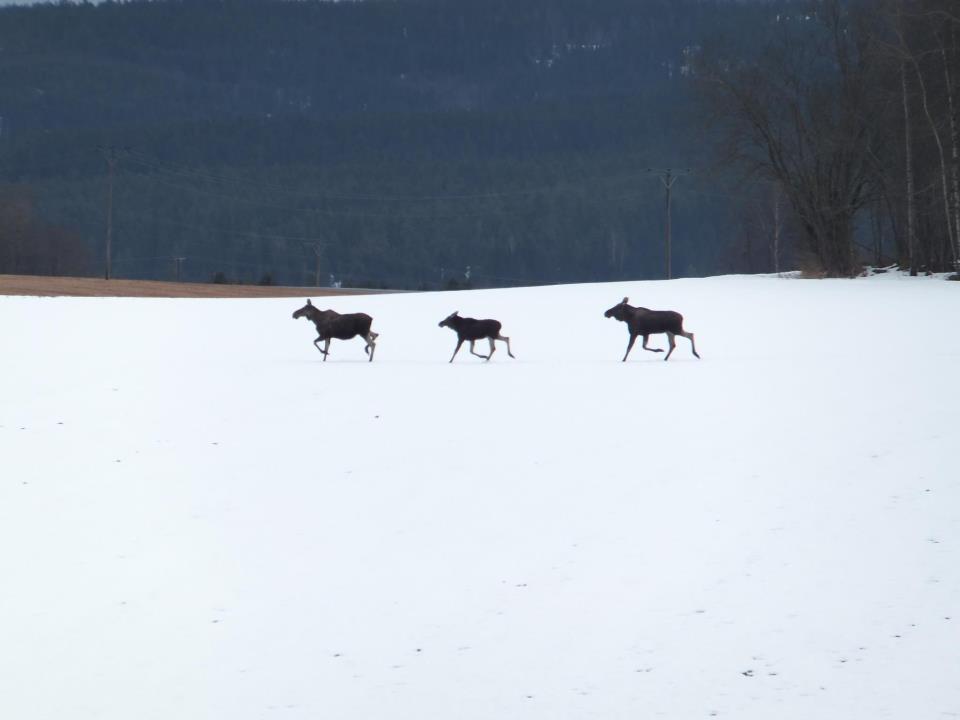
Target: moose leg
[
  {"x": 645, "y": 337},
  {"x": 370, "y": 338},
  {"x": 459, "y": 343},
  {"x": 507, "y": 341},
  {"x": 473, "y": 352},
  {"x": 633, "y": 339},
  {"x": 689, "y": 336},
  {"x": 673, "y": 344},
  {"x": 326, "y": 349},
  {"x": 493, "y": 349},
  {"x": 316, "y": 344}
]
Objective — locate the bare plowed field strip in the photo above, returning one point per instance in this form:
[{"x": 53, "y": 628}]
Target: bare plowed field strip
[{"x": 97, "y": 287}]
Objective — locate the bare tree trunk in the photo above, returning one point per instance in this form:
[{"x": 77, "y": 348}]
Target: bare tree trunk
[
  {"x": 776, "y": 229},
  {"x": 876, "y": 222},
  {"x": 954, "y": 150},
  {"x": 943, "y": 163},
  {"x": 840, "y": 234},
  {"x": 911, "y": 228}
]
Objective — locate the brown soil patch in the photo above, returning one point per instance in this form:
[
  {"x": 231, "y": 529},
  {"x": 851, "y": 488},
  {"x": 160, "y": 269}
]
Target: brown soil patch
[{"x": 98, "y": 287}]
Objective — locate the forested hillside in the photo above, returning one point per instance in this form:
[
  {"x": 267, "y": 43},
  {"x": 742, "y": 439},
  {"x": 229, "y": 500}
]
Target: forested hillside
[{"x": 407, "y": 143}]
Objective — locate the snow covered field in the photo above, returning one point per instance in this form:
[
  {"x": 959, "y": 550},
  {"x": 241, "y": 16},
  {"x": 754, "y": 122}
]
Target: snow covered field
[{"x": 200, "y": 520}]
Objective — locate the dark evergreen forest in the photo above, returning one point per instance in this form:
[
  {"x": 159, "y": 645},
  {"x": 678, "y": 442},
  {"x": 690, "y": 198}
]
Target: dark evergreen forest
[{"x": 398, "y": 143}]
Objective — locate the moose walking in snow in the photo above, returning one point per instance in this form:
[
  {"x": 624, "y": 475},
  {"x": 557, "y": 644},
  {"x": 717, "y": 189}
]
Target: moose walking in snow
[
  {"x": 644, "y": 322},
  {"x": 332, "y": 325},
  {"x": 473, "y": 330}
]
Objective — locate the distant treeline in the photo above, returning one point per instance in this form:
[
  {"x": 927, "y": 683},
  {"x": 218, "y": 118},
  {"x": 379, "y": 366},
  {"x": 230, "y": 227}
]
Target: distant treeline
[{"x": 405, "y": 143}]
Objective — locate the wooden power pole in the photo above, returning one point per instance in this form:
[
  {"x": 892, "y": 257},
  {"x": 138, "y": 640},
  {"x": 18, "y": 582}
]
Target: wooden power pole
[
  {"x": 318, "y": 254},
  {"x": 668, "y": 176},
  {"x": 108, "y": 251}
]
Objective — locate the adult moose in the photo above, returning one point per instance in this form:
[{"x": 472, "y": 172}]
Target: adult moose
[
  {"x": 473, "y": 330},
  {"x": 644, "y": 322},
  {"x": 332, "y": 325}
]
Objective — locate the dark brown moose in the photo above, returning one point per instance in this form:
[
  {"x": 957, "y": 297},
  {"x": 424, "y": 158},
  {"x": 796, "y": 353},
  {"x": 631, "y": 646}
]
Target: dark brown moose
[
  {"x": 473, "y": 330},
  {"x": 644, "y": 322},
  {"x": 334, "y": 326}
]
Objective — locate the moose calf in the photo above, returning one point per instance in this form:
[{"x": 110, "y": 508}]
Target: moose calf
[{"x": 473, "y": 330}]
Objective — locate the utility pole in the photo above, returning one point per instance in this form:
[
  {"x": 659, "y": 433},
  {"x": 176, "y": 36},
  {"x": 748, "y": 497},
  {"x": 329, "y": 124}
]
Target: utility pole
[
  {"x": 317, "y": 248},
  {"x": 179, "y": 262},
  {"x": 318, "y": 253},
  {"x": 110, "y": 155},
  {"x": 668, "y": 176}
]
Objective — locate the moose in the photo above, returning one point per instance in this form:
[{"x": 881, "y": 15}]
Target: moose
[
  {"x": 644, "y": 322},
  {"x": 473, "y": 330},
  {"x": 332, "y": 325}
]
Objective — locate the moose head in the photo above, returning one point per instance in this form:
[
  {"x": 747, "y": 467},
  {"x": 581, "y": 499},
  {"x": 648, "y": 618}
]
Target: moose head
[
  {"x": 618, "y": 311},
  {"x": 305, "y": 310},
  {"x": 450, "y": 320}
]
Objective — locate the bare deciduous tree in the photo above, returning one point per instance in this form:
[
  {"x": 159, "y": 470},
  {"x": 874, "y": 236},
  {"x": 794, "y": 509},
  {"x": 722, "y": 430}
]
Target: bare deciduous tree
[{"x": 800, "y": 115}]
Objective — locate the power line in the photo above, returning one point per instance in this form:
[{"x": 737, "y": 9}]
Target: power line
[
  {"x": 499, "y": 212},
  {"x": 191, "y": 173},
  {"x": 217, "y": 229}
]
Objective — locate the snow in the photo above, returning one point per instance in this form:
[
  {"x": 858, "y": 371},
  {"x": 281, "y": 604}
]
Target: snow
[{"x": 199, "y": 519}]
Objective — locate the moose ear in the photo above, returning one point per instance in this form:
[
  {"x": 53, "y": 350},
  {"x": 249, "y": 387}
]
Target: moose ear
[
  {"x": 626, "y": 300},
  {"x": 308, "y": 302},
  {"x": 457, "y": 313}
]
